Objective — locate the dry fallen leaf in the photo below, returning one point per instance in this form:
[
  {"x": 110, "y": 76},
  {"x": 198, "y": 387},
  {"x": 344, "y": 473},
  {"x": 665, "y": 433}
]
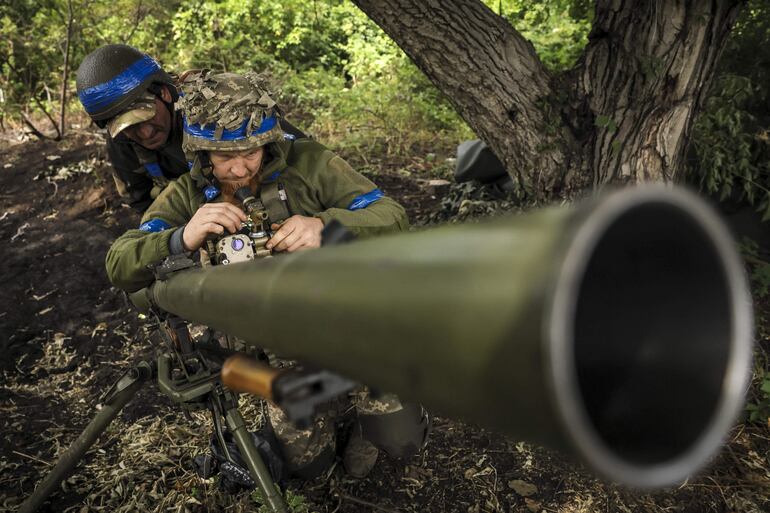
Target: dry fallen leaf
[
  {"x": 532, "y": 505},
  {"x": 523, "y": 488}
]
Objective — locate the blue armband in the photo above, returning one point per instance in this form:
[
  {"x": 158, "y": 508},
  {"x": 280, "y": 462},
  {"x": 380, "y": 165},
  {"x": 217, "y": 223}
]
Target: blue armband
[
  {"x": 365, "y": 200},
  {"x": 154, "y": 225}
]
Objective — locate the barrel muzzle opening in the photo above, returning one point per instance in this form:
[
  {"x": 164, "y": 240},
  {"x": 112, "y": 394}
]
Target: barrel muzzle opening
[{"x": 650, "y": 334}]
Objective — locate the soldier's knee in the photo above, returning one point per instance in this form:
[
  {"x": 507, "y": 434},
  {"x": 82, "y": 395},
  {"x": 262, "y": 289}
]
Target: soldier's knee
[
  {"x": 401, "y": 433},
  {"x": 307, "y": 453},
  {"x": 314, "y": 467}
]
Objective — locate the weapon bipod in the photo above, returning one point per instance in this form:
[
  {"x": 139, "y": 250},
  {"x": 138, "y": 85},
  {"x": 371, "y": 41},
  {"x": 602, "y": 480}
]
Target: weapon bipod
[{"x": 193, "y": 381}]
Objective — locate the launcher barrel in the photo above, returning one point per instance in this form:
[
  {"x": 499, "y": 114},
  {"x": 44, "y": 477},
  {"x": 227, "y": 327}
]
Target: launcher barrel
[{"x": 619, "y": 329}]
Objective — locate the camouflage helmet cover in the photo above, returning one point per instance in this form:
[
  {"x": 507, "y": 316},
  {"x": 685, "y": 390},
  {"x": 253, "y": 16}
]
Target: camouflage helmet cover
[{"x": 227, "y": 112}]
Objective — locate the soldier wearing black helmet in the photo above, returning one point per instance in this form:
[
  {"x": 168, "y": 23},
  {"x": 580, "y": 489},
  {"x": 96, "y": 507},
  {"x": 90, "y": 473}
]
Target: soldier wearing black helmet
[{"x": 129, "y": 94}]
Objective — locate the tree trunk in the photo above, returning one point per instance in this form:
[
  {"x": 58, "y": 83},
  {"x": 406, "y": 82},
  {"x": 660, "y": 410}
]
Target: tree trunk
[
  {"x": 492, "y": 76},
  {"x": 622, "y": 115},
  {"x": 643, "y": 76}
]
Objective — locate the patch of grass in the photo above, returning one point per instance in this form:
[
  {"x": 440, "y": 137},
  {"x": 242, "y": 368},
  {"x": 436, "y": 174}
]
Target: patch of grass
[{"x": 295, "y": 502}]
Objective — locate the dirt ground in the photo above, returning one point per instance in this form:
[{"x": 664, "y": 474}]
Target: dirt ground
[{"x": 65, "y": 335}]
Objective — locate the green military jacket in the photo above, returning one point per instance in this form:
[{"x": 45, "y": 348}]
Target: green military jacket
[{"x": 317, "y": 183}]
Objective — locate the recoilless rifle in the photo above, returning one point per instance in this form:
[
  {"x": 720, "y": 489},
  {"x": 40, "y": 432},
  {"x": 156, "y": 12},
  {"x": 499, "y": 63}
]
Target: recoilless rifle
[
  {"x": 618, "y": 330},
  {"x": 203, "y": 375}
]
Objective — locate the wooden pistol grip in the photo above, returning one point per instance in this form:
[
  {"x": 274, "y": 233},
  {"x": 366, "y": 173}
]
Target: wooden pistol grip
[{"x": 241, "y": 373}]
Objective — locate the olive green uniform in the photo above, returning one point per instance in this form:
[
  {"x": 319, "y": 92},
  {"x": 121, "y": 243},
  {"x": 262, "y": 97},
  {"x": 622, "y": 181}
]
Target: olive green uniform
[{"x": 317, "y": 183}]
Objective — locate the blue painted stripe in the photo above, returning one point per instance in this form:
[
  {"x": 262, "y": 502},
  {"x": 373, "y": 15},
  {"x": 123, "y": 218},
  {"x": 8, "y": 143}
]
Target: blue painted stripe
[
  {"x": 210, "y": 192},
  {"x": 228, "y": 135},
  {"x": 101, "y": 96},
  {"x": 154, "y": 225},
  {"x": 153, "y": 169},
  {"x": 365, "y": 200},
  {"x": 190, "y": 164}
]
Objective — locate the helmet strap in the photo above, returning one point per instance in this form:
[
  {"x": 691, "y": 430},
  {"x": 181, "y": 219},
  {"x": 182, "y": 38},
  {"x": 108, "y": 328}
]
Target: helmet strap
[{"x": 206, "y": 167}]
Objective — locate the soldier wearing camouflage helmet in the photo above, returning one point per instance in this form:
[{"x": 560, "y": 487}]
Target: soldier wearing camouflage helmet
[
  {"x": 233, "y": 139},
  {"x": 126, "y": 92}
]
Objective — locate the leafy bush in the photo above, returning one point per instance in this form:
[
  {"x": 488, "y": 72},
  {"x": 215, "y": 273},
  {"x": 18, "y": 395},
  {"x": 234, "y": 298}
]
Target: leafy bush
[
  {"x": 379, "y": 103},
  {"x": 731, "y": 137},
  {"x": 758, "y": 407},
  {"x": 758, "y": 403}
]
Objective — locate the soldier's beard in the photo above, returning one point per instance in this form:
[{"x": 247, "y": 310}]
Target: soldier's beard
[{"x": 228, "y": 188}]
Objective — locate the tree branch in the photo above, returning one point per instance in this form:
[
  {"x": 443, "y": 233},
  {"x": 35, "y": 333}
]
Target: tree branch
[
  {"x": 490, "y": 73},
  {"x": 35, "y": 99},
  {"x": 66, "y": 68},
  {"x": 37, "y": 133},
  {"x": 137, "y": 21}
]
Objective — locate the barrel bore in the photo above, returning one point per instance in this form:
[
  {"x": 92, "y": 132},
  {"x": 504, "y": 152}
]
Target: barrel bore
[
  {"x": 618, "y": 329},
  {"x": 650, "y": 337}
]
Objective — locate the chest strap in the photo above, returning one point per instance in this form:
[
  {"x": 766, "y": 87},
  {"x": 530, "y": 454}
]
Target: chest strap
[
  {"x": 276, "y": 203},
  {"x": 149, "y": 161}
]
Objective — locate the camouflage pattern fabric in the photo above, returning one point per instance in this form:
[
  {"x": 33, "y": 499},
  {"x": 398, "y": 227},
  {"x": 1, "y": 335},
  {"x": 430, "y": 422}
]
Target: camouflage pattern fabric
[
  {"x": 302, "y": 446},
  {"x": 383, "y": 404},
  {"x": 232, "y": 107},
  {"x": 141, "y": 110}
]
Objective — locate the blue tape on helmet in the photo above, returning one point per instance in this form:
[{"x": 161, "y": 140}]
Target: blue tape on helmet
[
  {"x": 365, "y": 200},
  {"x": 154, "y": 225},
  {"x": 190, "y": 164},
  {"x": 229, "y": 135},
  {"x": 101, "y": 96},
  {"x": 153, "y": 169},
  {"x": 210, "y": 192}
]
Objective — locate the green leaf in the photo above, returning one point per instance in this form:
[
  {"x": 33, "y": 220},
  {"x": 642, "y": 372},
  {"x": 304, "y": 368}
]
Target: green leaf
[{"x": 602, "y": 121}]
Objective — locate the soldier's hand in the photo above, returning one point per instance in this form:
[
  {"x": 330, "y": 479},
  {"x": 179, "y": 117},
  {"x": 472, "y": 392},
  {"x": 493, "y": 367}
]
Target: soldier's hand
[
  {"x": 297, "y": 232},
  {"x": 211, "y": 219}
]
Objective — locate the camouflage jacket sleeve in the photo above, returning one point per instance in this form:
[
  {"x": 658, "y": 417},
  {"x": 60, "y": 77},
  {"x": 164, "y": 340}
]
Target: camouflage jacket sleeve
[
  {"x": 356, "y": 202},
  {"x": 129, "y": 256},
  {"x": 125, "y": 164}
]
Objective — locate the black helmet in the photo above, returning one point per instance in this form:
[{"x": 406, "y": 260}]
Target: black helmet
[{"x": 111, "y": 77}]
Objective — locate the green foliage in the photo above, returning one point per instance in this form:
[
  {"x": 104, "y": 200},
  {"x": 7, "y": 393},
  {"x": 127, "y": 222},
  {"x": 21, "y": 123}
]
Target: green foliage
[
  {"x": 731, "y": 137},
  {"x": 343, "y": 78},
  {"x": 558, "y": 29},
  {"x": 294, "y": 501},
  {"x": 760, "y": 269},
  {"x": 758, "y": 403},
  {"x": 379, "y": 103},
  {"x": 236, "y": 35},
  {"x": 758, "y": 406}
]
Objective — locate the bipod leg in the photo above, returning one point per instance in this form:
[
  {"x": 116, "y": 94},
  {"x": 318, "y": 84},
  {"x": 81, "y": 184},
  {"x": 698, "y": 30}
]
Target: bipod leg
[
  {"x": 114, "y": 400},
  {"x": 257, "y": 468}
]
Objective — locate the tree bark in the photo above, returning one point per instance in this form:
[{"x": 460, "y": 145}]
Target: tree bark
[
  {"x": 622, "y": 115},
  {"x": 492, "y": 76},
  {"x": 643, "y": 76}
]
